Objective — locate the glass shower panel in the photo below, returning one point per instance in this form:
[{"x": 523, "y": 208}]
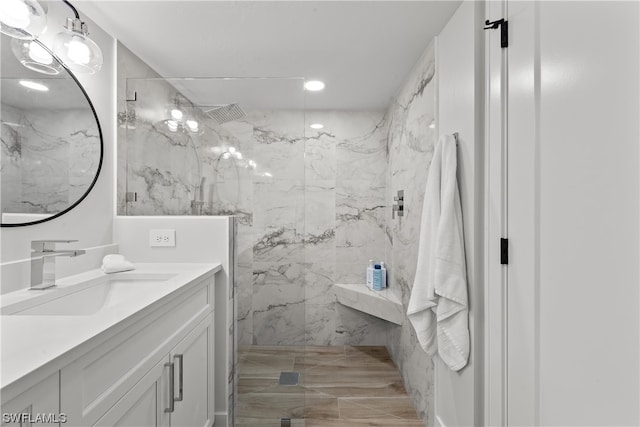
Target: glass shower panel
[
  {"x": 163, "y": 163},
  {"x": 235, "y": 147}
]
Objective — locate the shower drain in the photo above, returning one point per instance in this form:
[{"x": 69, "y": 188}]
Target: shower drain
[{"x": 289, "y": 378}]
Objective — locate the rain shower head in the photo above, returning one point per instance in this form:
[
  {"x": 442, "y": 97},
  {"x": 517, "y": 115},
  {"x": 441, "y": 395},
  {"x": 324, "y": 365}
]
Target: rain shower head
[{"x": 226, "y": 113}]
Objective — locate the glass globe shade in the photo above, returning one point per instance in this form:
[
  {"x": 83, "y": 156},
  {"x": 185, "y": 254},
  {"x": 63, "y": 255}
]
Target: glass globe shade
[
  {"x": 32, "y": 55},
  {"x": 22, "y": 19},
  {"x": 77, "y": 51}
]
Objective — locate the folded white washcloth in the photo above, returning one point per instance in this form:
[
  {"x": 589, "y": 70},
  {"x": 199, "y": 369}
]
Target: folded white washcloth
[{"x": 116, "y": 263}]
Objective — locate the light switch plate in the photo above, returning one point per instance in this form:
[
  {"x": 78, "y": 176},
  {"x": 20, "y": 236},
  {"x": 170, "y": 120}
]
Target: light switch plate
[{"x": 164, "y": 238}]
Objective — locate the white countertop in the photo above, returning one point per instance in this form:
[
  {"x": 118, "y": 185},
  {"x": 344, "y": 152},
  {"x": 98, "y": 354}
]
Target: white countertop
[{"x": 31, "y": 343}]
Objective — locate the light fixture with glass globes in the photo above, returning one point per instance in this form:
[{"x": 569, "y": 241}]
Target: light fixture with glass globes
[
  {"x": 22, "y": 19},
  {"x": 74, "y": 47},
  {"x": 27, "y": 20}
]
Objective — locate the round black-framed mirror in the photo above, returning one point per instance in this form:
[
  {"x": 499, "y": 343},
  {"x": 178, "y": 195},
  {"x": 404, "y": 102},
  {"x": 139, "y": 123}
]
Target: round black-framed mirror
[{"x": 52, "y": 142}]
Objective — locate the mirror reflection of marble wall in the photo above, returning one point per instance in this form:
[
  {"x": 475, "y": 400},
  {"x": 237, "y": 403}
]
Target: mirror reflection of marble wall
[
  {"x": 51, "y": 146},
  {"x": 48, "y": 160}
]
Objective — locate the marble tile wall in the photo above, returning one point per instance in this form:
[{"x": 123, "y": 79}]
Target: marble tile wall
[
  {"x": 316, "y": 218},
  {"x": 62, "y": 146},
  {"x": 411, "y": 143},
  {"x": 345, "y": 171}
]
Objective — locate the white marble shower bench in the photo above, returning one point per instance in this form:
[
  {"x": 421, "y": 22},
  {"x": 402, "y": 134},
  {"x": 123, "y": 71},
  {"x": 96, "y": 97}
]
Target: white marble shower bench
[{"x": 382, "y": 304}]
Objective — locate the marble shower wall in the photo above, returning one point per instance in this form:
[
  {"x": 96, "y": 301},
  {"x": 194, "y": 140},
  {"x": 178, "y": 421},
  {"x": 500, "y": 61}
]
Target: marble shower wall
[
  {"x": 411, "y": 145},
  {"x": 48, "y": 158},
  {"x": 345, "y": 171},
  {"x": 317, "y": 216}
]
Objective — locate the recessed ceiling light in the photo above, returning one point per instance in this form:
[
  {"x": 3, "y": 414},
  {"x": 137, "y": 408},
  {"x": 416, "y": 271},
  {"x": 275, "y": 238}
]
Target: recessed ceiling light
[
  {"x": 33, "y": 85},
  {"x": 316, "y": 126},
  {"x": 314, "y": 85}
]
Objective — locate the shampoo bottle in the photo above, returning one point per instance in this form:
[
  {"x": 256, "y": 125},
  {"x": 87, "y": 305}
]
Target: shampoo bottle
[
  {"x": 370, "y": 274},
  {"x": 377, "y": 278},
  {"x": 384, "y": 275}
]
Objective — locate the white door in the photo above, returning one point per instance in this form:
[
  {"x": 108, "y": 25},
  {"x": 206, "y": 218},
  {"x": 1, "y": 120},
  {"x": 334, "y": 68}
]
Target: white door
[{"x": 570, "y": 312}]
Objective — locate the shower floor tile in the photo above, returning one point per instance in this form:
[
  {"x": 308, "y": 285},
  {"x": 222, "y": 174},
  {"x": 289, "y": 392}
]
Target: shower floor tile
[{"x": 339, "y": 386}]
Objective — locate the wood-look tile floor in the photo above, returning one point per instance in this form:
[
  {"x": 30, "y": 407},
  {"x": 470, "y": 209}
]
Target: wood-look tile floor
[{"x": 339, "y": 387}]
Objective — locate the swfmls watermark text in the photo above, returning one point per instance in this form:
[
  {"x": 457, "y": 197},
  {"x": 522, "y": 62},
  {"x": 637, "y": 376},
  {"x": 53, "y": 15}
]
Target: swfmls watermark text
[{"x": 38, "y": 418}]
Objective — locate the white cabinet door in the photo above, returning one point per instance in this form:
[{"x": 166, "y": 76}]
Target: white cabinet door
[
  {"x": 147, "y": 404},
  {"x": 193, "y": 377},
  {"x": 40, "y": 405}
]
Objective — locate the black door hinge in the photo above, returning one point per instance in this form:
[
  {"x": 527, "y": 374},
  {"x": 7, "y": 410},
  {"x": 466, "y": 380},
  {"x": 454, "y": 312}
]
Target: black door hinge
[
  {"x": 504, "y": 30},
  {"x": 504, "y": 251}
]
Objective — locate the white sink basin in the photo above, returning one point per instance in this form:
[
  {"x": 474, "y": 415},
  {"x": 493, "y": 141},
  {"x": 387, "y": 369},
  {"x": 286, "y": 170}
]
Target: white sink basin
[{"x": 87, "y": 298}]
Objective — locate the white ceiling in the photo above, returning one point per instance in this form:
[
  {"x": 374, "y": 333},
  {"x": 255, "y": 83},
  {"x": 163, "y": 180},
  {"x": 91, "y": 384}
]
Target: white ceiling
[{"x": 363, "y": 50}]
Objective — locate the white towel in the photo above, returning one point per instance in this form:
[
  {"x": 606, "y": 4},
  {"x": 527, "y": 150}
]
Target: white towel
[
  {"x": 438, "y": 307},
  {"x": 115, "y": 264}
]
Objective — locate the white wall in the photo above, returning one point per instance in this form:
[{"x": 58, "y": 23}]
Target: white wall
[
  {"x": 91, "y": 221},
  {"x": 460, "y": 74}
]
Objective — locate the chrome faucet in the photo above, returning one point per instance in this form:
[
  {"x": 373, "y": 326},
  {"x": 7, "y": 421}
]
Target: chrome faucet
[{"x": 43, "y": 262}]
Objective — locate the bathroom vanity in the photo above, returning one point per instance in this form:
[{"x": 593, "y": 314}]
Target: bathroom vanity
[{"x": 131, "y": 348}]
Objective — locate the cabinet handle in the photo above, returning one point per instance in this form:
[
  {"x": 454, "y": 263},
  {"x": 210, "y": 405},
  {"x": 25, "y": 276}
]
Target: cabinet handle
[
  {"x": 171, "y": 407},
  {"x": 180, "y": 358}
]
